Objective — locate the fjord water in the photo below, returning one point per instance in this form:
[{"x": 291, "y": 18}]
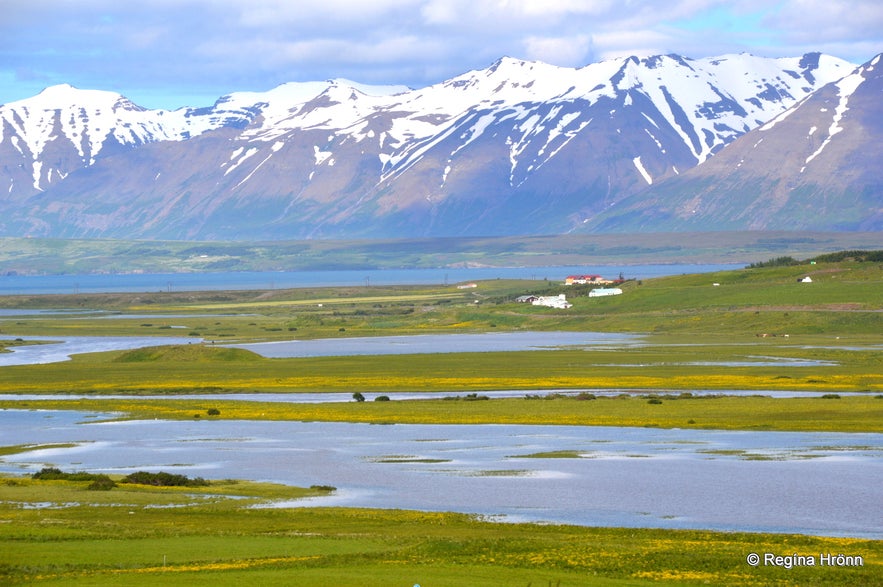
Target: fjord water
[
  {"x": 812, "y": 483},
  {"x": 147, "y": 282}
]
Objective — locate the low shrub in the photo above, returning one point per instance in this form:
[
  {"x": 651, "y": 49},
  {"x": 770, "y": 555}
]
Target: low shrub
[
  {"x": 101, "y": 483},
  {"x": 163, "y": 479},
  {"x": 49, "y": 474},
  {"x": 471, "y": 397},
  {"x": 326, "y": 488}
]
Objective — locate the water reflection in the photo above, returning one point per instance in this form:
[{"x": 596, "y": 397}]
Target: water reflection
[
  {"x": 814, "y": 483},
  {"x": 50, "y": 350},
  {"x": 442, "y": 343}
]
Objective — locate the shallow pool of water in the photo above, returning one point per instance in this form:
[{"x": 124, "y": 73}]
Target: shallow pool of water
[
  {"x": 53, "y": 350},
  {"x": 441, "y": 343},
  {"x": 813, "y": 483}
]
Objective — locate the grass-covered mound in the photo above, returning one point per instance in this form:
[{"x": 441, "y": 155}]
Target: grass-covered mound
[{"x": 186, "y": 352}]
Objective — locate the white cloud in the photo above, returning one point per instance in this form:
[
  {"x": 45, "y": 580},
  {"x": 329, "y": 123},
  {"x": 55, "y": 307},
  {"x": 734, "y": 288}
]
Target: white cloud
[
  {"x": 838, "y": 21},
  {"x": 569, "y": 51},
  {"x": 275, "y": 13},
  {"x": 218, "y": 46}
]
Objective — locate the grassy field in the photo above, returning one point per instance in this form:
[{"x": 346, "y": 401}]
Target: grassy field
[
  {"x": 822, "y": 414},
  {"x": 97, "y": 538},
  {"x": 843, "y": 300},
  {"x": 662, "y": 363}
]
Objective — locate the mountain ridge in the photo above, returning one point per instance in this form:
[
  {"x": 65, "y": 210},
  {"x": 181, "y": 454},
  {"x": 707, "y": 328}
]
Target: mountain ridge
[
  {"x": 517, "y": 148},
  {"x": 825, "y": 153}
]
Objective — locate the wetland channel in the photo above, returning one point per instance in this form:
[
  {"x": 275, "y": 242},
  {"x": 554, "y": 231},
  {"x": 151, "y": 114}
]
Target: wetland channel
[{"x": 793, "y": 482}]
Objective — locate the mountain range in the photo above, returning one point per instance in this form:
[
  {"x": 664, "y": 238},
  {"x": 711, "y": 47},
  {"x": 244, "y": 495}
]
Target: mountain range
[{"x": 661, "y": 143}]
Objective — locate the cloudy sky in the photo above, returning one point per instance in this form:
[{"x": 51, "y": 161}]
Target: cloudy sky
[{"x": 172, "y": 53}]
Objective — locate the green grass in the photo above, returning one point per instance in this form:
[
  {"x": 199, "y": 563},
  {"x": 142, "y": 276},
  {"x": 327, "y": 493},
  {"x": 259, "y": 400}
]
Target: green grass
[
  {"x": 663, "y": 362},
  {"x": 555, "y": 454},
  {"x": 848, "y": 414},
  {"x": 118, "y": 537},
  {"x": 844, "y": 300}
]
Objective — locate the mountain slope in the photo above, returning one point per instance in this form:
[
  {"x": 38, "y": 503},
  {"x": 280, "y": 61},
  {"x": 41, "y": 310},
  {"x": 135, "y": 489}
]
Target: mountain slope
[
  {"x": 517, "y": 148},
  {"x": 814, "y": 167}
]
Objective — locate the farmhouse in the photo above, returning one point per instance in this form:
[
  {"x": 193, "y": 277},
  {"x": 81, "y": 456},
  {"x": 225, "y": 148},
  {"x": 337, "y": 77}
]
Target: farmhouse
[
  {"x": 600, "y": 292},
  {"x": 584, "y": 279}
]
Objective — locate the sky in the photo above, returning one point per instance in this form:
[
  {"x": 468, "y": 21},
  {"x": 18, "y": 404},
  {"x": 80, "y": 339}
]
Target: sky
[{"x": 174, "y": 53}]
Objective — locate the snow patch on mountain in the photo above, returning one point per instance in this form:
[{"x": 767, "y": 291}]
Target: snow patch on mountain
[
  {"x": 846, "y": 87},
  {"x": 321, "y": 156},
  {"x": 640, "y": 166}
]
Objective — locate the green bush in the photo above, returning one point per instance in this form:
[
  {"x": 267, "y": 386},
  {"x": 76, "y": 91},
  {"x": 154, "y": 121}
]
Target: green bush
[
  {"x": 471, "y": 397},
  {"x": 101, "y": 483},
  {"x": 325, "y": 488},
  {"x": 163, "y": 479},
  {"x": 49, "y": 474},
  {"x": 777, "y": 262}
]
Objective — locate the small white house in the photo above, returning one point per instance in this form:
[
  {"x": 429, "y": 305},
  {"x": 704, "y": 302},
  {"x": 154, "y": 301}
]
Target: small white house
[
  {"x": 528, "y": 299},
  {"x": 605, "y": 291},
  {"x": 558, "y": 301}
]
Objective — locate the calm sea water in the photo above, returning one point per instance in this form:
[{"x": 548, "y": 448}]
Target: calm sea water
[
  {"x": 810, "y": 483},
  {"x": 66, "y": 284}
]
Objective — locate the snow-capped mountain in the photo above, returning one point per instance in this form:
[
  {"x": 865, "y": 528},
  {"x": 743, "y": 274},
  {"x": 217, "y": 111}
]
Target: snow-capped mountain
[
  {"x": 519, "y": 147},
  {"x": 816, "y": 165}
]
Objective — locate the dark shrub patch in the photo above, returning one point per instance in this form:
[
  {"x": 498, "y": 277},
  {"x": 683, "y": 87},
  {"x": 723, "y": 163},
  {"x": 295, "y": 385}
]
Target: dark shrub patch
[
  {"x": 49, "y": 474},
  {"x": 163, "y": 479},
  {"x": 101, "y": 483}
]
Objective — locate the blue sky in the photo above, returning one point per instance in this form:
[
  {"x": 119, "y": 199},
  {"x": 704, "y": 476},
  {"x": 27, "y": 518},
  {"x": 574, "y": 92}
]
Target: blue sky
[{"x": 173, "y": 53}]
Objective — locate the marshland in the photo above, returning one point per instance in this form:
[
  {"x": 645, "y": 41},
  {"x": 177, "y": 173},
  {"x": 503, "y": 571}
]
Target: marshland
[{"x": 636, "y": 447}]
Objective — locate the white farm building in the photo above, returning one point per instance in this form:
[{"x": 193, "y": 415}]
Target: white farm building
[
  {"x": 558, "y": 301},
  {"x": 605, "y": 291}
]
